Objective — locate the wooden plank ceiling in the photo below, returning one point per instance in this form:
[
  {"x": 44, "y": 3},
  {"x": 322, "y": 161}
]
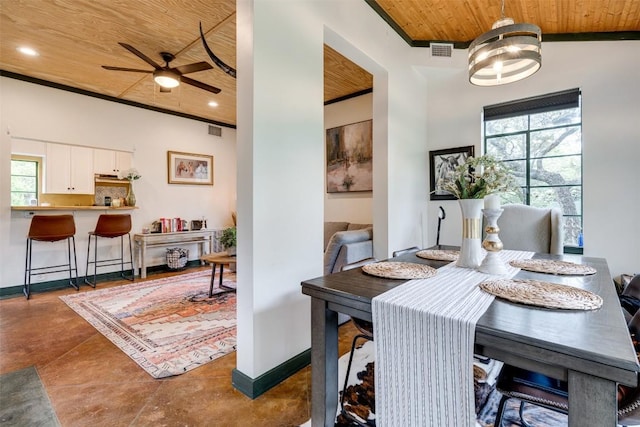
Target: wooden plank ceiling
[{"x": 75, "y": 37}]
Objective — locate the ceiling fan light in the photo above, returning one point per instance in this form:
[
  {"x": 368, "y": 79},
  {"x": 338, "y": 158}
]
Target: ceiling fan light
[
  {"x": 166, "y": 79},
  {"x": 506, "y": 54},
  {"x": 25, "y": 50}
]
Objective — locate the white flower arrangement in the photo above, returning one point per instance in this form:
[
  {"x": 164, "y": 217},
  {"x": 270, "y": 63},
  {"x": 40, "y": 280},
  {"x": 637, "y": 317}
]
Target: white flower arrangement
[
  {"x": 478, "y": 177},
  {"x": 129, "y": 174}
]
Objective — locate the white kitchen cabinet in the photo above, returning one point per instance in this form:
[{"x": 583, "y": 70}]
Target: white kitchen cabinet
[
  {"x": 69, "y": 170},
  {"x": 110, "y": 162}
]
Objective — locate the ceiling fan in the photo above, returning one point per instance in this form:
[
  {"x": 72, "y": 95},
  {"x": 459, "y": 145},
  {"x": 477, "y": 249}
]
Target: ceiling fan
[{"x": 168, "y": 77}]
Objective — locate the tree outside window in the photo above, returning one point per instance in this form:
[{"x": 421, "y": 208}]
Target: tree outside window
[
  {"x": 540, "y": 140},
  {"x": 24, "y": 182}
]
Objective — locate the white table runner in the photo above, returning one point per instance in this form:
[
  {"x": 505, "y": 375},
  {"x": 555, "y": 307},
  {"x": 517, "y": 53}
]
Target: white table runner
[{"x": 424, "y": 335}]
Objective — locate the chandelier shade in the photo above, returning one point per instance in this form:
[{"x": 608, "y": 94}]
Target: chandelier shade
[{"x": 508, "y": 53}]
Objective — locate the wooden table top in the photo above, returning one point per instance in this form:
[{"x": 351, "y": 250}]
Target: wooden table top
[
  {"x": 569, "y": 336},
  {"x": 218, "y": 258}
]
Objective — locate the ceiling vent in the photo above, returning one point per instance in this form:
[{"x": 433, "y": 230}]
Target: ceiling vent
[
  {"x": 442, "y": 50},
  {"x": 215, "y": 130}
]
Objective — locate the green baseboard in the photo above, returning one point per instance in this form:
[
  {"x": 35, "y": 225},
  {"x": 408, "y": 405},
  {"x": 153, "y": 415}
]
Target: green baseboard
[
  {"x": 254, "y": 387},
  {"x": 16, "y": 291}
]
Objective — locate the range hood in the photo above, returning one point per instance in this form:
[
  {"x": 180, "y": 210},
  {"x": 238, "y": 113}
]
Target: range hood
[{"x": 110, "y": 179}]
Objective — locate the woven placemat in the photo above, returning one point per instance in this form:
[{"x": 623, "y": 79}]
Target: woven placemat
[
  {"x": 542, "y": 294},
  {"x": 399, "y": 270},
  {"x": 553, "y": 267},
  {"x": 438, "y": 254}
]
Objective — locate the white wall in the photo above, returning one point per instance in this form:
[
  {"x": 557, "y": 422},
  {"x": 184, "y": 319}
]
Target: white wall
[
  {"x": 354, "y": 207},
  {"x": 607, "y": 74},
  {"x": 42, "y": 113},
  {"x": 280, "y": 147}
]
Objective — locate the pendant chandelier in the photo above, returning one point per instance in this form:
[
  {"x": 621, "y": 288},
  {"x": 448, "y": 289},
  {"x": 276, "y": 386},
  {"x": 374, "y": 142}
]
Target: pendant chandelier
[{"x": 508, "y": 53}]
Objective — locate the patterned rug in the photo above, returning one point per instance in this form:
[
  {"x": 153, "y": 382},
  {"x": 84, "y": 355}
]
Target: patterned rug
[
  {"x": 167, "y": 326},
  {"x": 360, "y": 398}
]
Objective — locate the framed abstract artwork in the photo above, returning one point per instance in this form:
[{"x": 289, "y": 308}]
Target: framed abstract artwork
[{"x": 350, "y": 157}]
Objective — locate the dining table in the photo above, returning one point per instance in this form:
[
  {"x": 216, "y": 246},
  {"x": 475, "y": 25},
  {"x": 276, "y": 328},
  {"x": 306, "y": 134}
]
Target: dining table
[{"x": 590, "y": 349}]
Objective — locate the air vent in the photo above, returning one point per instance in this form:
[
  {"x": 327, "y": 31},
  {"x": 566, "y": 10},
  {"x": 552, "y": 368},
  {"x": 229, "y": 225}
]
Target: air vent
[
  {"x": 215, "y": 130},
  {"x": 442, "y": 50}
]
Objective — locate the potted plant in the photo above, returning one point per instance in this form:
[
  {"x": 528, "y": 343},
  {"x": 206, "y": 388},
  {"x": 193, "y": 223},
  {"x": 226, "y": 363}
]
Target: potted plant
[{"x": 228, "y": 240}]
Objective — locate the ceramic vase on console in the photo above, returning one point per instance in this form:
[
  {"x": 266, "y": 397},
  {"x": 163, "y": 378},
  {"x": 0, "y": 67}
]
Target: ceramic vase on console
[
  {"x": 471, "y": 254},
  {"x": 131, "y": 197}
]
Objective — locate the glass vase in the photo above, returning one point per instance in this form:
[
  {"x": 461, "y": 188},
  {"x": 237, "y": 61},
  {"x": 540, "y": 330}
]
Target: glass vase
[
  {"x": 471, "y": 253},
  {"x": 131, "y": 197}
]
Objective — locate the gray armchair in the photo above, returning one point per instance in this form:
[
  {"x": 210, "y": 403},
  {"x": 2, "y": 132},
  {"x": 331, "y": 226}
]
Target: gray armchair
[
  {"x": 347, "y": 247},
  {"x": 527, "y": 228}
]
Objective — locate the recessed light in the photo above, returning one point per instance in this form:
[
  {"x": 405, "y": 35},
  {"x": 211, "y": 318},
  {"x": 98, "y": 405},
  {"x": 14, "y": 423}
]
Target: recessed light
[
  {"x": 27, "y": 51},
  {"x": 213, "y": 104}
]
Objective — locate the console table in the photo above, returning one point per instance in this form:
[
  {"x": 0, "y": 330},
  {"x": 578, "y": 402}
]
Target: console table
[{"x": 152, "y": 240}]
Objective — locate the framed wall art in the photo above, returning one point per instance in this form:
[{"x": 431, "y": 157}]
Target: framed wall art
[
  {"x": 350, "y": 157},
  {"x": 442, "y": 163},
  {"x": 187, "y": 168}
]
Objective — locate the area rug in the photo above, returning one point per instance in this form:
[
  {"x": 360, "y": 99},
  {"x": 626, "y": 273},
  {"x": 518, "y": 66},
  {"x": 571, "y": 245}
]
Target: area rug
[
  {"x": 360, "y": 398},
  {"x": 167, "y": 326},
  {"x": 24, "y": 401}
]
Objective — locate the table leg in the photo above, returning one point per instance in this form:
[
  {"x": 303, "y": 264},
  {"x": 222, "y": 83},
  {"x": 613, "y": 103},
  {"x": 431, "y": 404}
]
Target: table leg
[
  {"x": 213, "y": 275},
  {"x": 592, "y": 401},
  {"x": 143, "y": 260},
  {"x": 220, "y": 285},
  {"x": 324, "y": 364}
]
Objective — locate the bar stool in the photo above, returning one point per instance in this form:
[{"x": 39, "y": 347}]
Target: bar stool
[
  {"x": 110, "y": 226},
  {"x": 51, "y": 228}
]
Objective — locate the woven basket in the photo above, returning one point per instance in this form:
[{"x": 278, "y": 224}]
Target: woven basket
[{"x": 177, "y": 258}]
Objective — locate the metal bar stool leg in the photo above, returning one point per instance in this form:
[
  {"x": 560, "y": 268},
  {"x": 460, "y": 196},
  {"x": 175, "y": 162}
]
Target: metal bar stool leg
[
  {"x": 94, "y": 262},
  {"x": 27, "y": 271},
  {"x": 346, "y": 381},
  {"x": 501, "y": 406},
  {"x": 73, "y": 282},
  {"x": 133, "y": 273}
]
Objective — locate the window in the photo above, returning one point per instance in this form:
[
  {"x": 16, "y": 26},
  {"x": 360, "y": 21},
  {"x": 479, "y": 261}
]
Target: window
[
  {"x": 540, "y": 140},
  {"x": 24, "y": 182}
]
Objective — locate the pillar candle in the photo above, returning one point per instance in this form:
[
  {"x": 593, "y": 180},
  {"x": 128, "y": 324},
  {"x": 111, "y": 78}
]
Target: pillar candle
[{"x": 492, "y": 201}]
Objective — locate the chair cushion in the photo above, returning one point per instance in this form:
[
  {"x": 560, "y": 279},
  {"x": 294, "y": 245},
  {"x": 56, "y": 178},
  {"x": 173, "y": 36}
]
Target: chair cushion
[
  {"x": 352, "y": 226},
  {"x": 331, "y": 228},
  {"x": 543, "y": 233}
]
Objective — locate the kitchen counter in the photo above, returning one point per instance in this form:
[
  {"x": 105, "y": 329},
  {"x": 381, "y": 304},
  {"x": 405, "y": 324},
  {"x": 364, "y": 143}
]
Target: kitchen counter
[{"x": 71, "y": 208}]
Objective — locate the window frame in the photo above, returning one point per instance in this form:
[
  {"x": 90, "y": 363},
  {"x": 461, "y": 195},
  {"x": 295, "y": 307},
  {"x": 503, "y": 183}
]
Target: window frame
[
  {"x": 528, "y": 107},
  {"x": 38, "y": 189}
]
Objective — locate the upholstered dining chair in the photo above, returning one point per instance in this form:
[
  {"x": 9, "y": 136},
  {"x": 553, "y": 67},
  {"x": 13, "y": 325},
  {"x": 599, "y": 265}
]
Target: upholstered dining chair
[
  {"x": 405, "y": 251},
  {"x": 365, "y": 331},
  {"x": 550, "y": 393},
  {"x": 527, "y": 228}
]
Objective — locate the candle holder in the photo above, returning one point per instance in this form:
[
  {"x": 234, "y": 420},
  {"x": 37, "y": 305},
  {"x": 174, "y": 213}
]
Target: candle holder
[{"x": 492, "y": 263}]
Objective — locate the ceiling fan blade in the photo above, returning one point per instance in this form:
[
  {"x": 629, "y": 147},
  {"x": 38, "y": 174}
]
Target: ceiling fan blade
[
  {"x": 198, "y": 84},
  {"x": 134, "y": 70},
  {"x": 192, "y": 68},
  {"x": 140, "y": 55}
]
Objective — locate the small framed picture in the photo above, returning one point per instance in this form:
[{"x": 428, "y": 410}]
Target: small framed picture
[
  {"x": 442, "y": 164},
  {"x": 187, "y": 168}
]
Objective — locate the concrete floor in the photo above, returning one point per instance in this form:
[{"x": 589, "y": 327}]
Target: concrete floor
[{"x": 91, "y": 382}]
